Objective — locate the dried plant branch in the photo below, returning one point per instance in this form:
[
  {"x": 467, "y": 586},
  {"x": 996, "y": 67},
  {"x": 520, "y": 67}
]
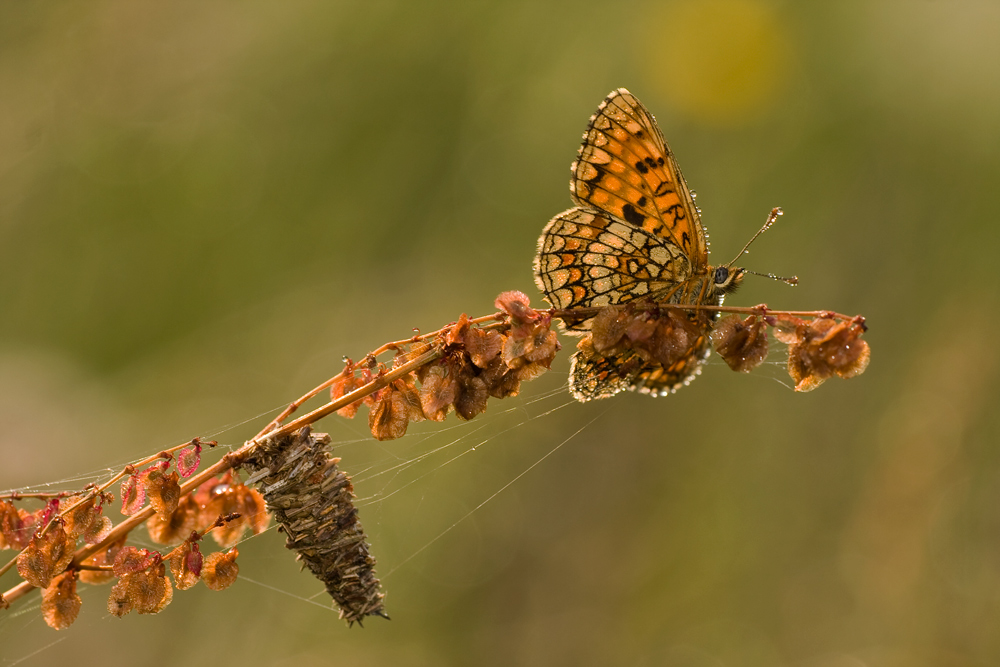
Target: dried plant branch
[{"x": 458, "y": 366}]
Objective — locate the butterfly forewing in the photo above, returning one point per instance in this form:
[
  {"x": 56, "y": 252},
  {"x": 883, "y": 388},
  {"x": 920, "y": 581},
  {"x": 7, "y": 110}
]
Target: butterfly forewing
[{"x": 626, "y": 169}]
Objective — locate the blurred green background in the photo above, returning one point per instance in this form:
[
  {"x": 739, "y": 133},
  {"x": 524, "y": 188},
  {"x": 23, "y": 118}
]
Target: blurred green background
[{"x": 205, "y": 205}]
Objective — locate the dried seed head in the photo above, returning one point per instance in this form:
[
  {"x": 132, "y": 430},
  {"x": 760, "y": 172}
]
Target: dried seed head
[
  {"x": 11, "y": 533},
  {"x": 389, "y": 417},
  {"x": 455, "y": 335},
  {"x": 438, "y": 392},
  {"x": 252, "y": 509},
  {"x": 220, "y": 569},
  {"x": 609, "y": 327},
  {"x": 186, "y": 565},
  {"x": 60, "y": 603},
  {"x": 189, "y": 458},
  {"x": 130, "y": 560},
  {"x": 521, "y": 315},
  {"x": 133, "y": 493},
  {"x": 46, "y": 555},
  {"x": 177, "y": 526},
  {"x": 164, "y": 492},
  {"x": 825, "y": 347},
  {"x": 534, "y": 344},
  {"x": 501, "y": 381},
  {"x": 98, "y": 530},
  {"x": 676, "y": 334},
  {"x": 146, "y": 591},
  {"x": 407, "y": 388},
  {"x": 81, "y": 518},
  {"x": 230, "y": 532},
  {"x": 345, "y": 384},
  {"x": 483, "y": 346},
  {"x": 472, "y": 394},
  {"x": 786, "y": 327},
  {"x": 741, "y": 343}
]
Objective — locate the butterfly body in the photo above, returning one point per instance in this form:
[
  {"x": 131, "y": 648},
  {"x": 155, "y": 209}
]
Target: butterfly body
[{"x": 634, "y": 236}]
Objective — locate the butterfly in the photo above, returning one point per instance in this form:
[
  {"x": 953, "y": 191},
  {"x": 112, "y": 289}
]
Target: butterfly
[{"x": 635, "y": 235}]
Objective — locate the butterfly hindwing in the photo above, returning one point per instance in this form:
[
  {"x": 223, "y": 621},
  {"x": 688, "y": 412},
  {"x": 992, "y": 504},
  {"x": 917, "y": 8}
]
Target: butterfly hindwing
[{"x": 588, "y": 259}]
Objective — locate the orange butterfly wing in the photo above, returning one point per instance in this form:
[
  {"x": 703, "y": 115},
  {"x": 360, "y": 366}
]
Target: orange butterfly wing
[
  {"x": 625, "y": 168},
  {"x": 588, "y": 259}
]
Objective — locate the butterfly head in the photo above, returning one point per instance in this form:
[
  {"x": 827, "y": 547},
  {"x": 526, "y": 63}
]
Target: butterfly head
[{"x": 727, "y": 279}]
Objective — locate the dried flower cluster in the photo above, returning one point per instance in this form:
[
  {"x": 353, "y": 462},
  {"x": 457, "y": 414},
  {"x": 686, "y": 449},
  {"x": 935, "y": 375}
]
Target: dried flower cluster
[
  {"x": 476, "y": 364},
  {"x": 663, "y": 336},
  {"x": 48, "y": 538},
  {"x": 199, "y": 510},
  {"x": 458, "y": 368},
  {"x": 823, "y": 347},
  {"x": 818, "y": 348},
  {"x": 312, "y": 500}
]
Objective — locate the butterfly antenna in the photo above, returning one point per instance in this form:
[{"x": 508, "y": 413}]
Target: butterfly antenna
[
  {"x": 792, "y": 280},
  {"x": 771, "y": 218}
]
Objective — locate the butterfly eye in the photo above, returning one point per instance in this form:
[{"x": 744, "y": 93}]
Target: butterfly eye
[{"x": 721, "y": 275}]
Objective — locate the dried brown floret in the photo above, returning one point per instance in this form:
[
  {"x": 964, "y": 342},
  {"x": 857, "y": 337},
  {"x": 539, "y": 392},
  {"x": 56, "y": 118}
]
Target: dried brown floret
[
  {"x": 483, "y": 346},
  {"x": 164, "y": 491},
  {"x": 98, "y": 531},
  {"x": 253, "y": 509},
  {"x": 472, "y": 394},
  {"x": 146, "y": 591},
  {"x": 538, "y": 344},
  {"x": 214, "y": 498},
  {"x": 676, "y": 334},
  {"x": 411, "y": 397},
  {"x": 130, "y": 560},
  {"x": 438, "y": 392},
  {"x": 389, "y": 417},
  {"x": 60, "y": 603},
  {"x": 502, "y": 381},
  {"x": 826, "y": 347},
  {"x": 133, "y": 493},
  {"x": 16, "y": 526},
  {"x": 242, "y": 506},
  {"x": 217, "y": 498},
  {"x": 220, "y": 569},
  {"x": 609, "y": 327},
  {"x": 521, "y": 315},
  {"x": 81, "y": 518},
  {"x": 786, "y": 327},
  {"x": 455, "y": 335},
  {"x": 45, "y": 556},
  {"x": 186, "y": 565},
  {"x": 237, "y": 508},
  {"x": 189, "y": 458},
  {"x": 345, "y": 384},
  {"x": 742, "y": 343},
  {"x": 177, "y": 526}
]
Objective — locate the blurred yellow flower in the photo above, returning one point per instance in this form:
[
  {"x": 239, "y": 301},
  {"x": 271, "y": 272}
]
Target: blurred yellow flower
[{"x": 720, "y": 61}]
